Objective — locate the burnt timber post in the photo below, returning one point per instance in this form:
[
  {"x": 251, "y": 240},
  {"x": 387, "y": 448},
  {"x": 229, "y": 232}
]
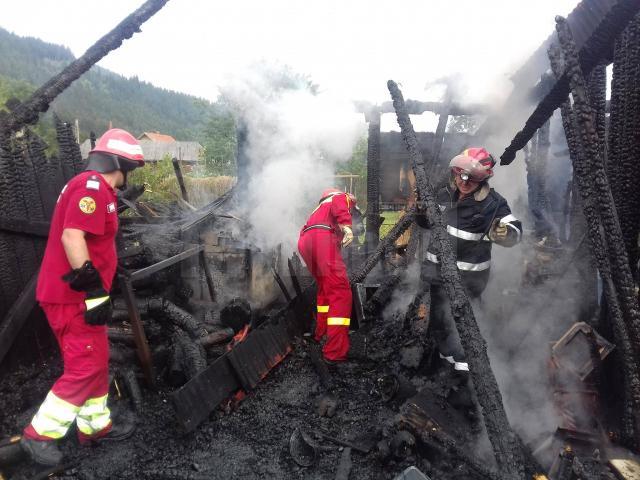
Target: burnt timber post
[
  {"x": 506, "y": 447},
  {"x": 373, "y": 220},
  {"x": 596, "y": 196}
]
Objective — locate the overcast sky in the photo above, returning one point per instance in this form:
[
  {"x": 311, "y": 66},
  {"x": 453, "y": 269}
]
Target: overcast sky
[{"x": 349, "y": 47}]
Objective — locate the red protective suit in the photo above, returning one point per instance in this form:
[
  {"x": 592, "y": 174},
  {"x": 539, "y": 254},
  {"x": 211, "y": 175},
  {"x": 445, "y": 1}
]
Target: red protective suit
[
  {"x": 319, "y": 246},
  {"x": 87, "y": 203}
]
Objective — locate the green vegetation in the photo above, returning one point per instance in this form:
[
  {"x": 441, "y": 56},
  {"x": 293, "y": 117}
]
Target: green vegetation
[
  {"x": 20, "y": 90},
  {"x": 101, "y": 96},
  {"x": 163, "y": 185},
  {"x": 390, "y": 219}
]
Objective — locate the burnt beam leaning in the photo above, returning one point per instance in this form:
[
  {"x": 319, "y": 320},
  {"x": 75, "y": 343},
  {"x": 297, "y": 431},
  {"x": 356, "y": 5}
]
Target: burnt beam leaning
[{"x": 506, "y": 448}]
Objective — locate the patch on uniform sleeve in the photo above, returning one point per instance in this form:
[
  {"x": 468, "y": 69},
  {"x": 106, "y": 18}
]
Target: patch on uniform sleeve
[
  {"x": 111, "y": 207},
  {"x": 93, "y": 183},
  {"x": 87, "y": 205}
]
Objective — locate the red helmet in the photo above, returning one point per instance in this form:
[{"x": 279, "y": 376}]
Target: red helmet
[
  {"x": 117, "y": 149},
  {"x": 328, "y": 192},
  {"x": 475, "y": 162}
]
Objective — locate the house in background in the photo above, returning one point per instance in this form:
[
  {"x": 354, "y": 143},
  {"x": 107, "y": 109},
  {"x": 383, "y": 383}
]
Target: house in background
[
  {"x": 155, "y": 146},
  {"x": 156, "y": 137}
]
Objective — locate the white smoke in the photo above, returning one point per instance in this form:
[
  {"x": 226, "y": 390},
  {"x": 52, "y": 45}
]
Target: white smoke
[{"x": 295, "y": 139}]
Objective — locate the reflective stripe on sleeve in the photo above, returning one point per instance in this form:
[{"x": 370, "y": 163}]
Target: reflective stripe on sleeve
[
  {"x": 339, "y": 321},
  {"x": 463, "y": 234},
  {"x": 323, "y": 308},
  {"x": 474, "y": 267},
  {"x": 509, "y": 218},
  {"x": 511, "y": 225},
  {"x": 466, "y": 266}
]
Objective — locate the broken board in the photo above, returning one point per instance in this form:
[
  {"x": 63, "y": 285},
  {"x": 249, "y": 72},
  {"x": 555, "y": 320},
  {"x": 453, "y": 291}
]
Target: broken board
[{"x": 241, "y": 368}]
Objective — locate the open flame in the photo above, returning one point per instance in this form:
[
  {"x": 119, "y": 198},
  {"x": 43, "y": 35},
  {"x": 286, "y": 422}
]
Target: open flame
[{"x": 238, "y": 337}]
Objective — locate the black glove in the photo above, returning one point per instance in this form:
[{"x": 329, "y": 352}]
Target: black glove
[
  {"x": 97, "y": 302},
  {"x": 98, "y": 307},
  {"x": 83, "y": 279}
]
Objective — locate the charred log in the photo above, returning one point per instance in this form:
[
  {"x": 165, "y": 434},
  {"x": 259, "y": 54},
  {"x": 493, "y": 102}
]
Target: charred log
[
  {"x": 592, "y": 52},
  {"x": 236, "y": 314},
  {"x": 69, "y": 150},
  {"x": 179, "y": 317},
  {"x": 605, "y": 234},
  {"x": 624, "y": 140},
  {"x": 506, "y": 450},
  {"x": 398, "y": 229},
  {"x": 373, "y": 182}
]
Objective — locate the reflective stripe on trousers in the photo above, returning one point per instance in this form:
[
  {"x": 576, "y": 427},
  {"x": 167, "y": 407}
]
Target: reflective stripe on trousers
[
  {"x": 462, "y": 366},
  {"x": 467, "y": 267},
  {"x": 54, "y": 417},
  {"x": 339, "y": 321},
  {"x": 94, "y": 416}
]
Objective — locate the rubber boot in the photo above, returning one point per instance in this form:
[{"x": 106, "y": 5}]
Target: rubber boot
[
  {"x": 120, "y": 431},
  {"x": 44, "y": 452}
]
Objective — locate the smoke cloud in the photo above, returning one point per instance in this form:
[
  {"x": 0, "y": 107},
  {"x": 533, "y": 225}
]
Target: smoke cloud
[{"x": 295, "y": 139}]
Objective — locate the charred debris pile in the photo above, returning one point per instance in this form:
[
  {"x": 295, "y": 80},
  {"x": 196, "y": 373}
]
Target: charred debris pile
[{"x": 202, "y": 317}]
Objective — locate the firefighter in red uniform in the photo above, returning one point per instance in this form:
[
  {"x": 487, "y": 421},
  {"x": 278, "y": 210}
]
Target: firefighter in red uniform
[
  {"x": 328, "y": 228},
  {"x": 73, "y": 290}
]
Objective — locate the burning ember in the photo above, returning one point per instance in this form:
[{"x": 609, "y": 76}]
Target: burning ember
[{"x": 239, "y": 337}]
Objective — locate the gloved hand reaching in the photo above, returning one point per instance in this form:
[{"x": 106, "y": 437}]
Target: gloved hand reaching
[
  {"x": 347, "y": 235},
  {"x": 498, "y": 232},
  {"x": 97, "y": 302}
]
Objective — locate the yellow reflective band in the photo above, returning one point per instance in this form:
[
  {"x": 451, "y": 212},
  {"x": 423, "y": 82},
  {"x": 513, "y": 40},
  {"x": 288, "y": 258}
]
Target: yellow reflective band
[
  {"x": 54, "y": 417},
  {"x": 92, "y": 303},
  {"x": 94, "y": 416},
  {"x": 339, "y": 321},
  {"x": 323, "y": 308}
]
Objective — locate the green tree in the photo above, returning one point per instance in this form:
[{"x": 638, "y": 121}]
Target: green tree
[{"x": 219, "y": 141}]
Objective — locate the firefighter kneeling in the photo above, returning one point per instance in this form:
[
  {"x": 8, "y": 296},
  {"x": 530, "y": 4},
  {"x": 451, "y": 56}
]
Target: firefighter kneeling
[
  {"x": 476, "y": 216},
  {"x": 327, "y": 230},
  {"x": 73, "y": 290}
]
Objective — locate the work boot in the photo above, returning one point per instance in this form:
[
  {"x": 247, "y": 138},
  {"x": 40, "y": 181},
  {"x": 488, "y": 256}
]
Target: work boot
[
  {"x": 119, "y": 431},
  {"x": 44, "y": 452}
]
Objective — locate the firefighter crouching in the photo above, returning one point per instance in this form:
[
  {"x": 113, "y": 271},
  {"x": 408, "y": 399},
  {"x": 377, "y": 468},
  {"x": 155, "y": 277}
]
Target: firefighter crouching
[
  {"x": 327, "y": 230},
  {"x": 476, "y": 216},
  {"x": 73, "y": 290}
]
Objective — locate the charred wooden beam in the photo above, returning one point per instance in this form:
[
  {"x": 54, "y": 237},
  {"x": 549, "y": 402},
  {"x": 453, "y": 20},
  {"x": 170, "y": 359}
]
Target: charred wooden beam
[
  {"x": 24, "y": 226},
  {"x": 509, "y": 458},
  {"x": 415, "y": 107},
  {"x": 373, "y": 219},
  {"x": 180, "y": 178},
  {"x": 624, "y": 141},
  {"x": 594, "y": 49},
  {"x": 28, "y": 112},
  {"x": 156, "y": 267},
  {"x": 17, "y": 316},
  {"x": 398, "y": 229},
  {"x": 605, "y": 234},
  {"x": 142, "y": 345},
  {"x": 178, "y": 317}
]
